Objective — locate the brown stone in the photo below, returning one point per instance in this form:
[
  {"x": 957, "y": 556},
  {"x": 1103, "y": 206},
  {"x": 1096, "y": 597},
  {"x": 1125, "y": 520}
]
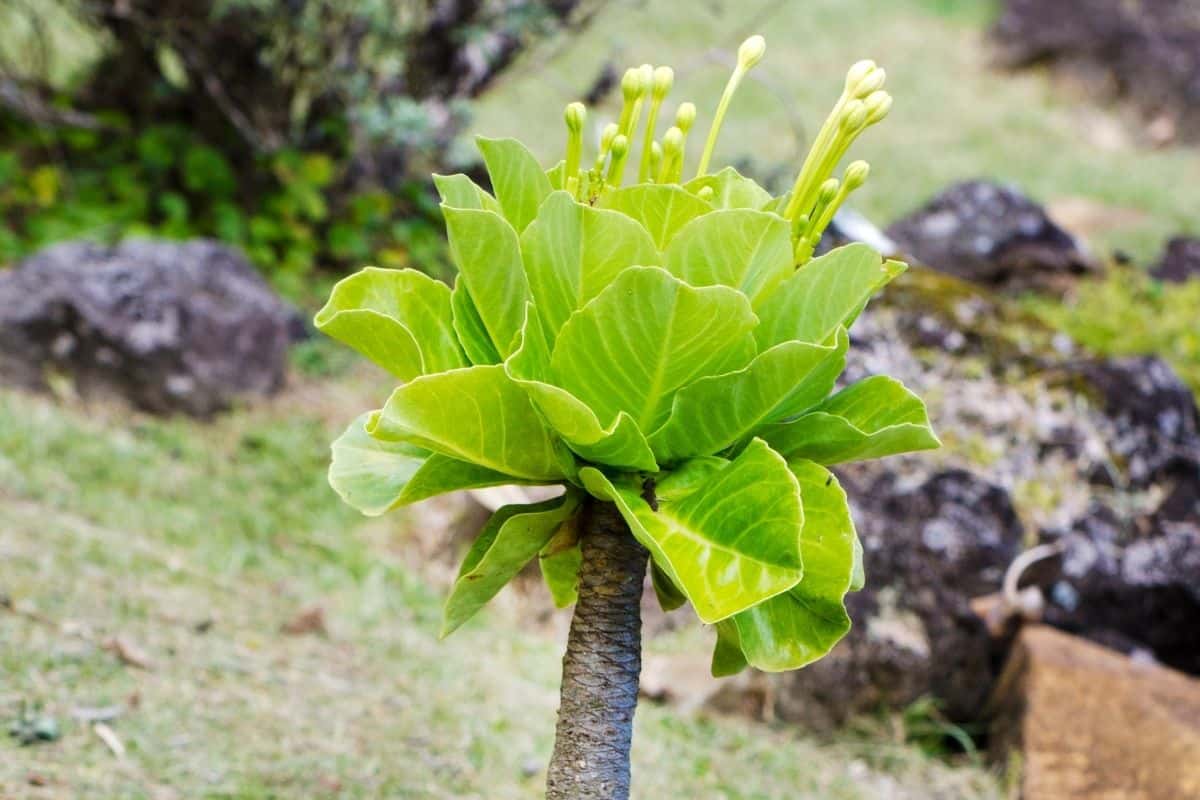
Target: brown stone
[{"x": 1095, "y": 724}]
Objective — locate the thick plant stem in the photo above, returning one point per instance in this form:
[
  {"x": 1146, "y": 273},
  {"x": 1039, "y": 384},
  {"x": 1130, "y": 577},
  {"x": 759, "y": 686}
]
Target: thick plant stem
[{"x": 602, "y": 664}]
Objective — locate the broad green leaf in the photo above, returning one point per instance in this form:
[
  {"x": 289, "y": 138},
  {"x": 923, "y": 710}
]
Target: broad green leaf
[
  {"x": 873, "y": 418},
  {"x": 510, "y": 540},
  {"x": 518, "y": 180},
  {"x": 400, "y": 319},
  {"x": 644, "y": 337},
  {"x": 573, "y": 251},
  {"x": 621, "y": 444},
  {"x": 802, "y": 624},
  {"x": 670, "y": 597},
  {"x": 671, "y": 486},
  {"x": 468, "y": 326},
  {"x": 716, "y": 412},
  {"x": 731, "y": 190},
  {"x": 827, "y": 292},
  {"x": 729, "y": 545},
  {"x": 559, "y": 560},
  {"x": 661, "y": 209},
  {"x": 477, "y": 414},
  {"x": 728, "y": 658},
  {"x": 368, "y": 474},
  {"x": 376, "y": 476},
  {"x": 459, "y": 191},
  {"x": 748, "y": 250},
  {"x": 488, "y": 255}
]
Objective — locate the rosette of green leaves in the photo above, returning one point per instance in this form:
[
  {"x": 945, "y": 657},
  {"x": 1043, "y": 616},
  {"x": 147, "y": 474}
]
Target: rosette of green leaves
[{"x": 661, "y": 338}]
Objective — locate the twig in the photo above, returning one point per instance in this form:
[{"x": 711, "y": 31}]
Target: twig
[{"x": 109, "y": 737}]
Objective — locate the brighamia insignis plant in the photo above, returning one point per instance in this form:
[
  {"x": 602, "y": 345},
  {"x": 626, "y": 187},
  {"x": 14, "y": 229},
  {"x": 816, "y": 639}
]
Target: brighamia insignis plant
[{"x": 664, "y": 350}]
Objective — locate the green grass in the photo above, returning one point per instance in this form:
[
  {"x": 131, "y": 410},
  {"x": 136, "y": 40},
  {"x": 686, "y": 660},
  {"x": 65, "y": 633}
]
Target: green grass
[
  {"x": 197, "y": 542},
  {"x": 954, "y": 117}
]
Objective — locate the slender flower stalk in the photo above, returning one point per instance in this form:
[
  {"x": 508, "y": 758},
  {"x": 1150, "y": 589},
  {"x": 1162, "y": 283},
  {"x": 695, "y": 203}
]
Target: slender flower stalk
[
  {"x": 574, "y": 116},
  {"x": 862, "y": 104},
  {"x": 749, "y": 54},
  {"x": 616, "y": 166},
  {"x": 672, "y": 149},
  {"x": 664, "y": 77}
]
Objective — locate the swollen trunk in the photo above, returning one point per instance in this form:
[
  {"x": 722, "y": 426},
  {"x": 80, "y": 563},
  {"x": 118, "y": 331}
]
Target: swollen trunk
[{"x": 601, "y": 665}]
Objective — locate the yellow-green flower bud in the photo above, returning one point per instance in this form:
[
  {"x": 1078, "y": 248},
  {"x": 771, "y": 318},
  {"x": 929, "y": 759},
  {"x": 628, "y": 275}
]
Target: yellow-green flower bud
[
  {"x": 664, "y": 78},
  {"x": 616, "y": 167},
  {"x": 606, "y": 139},
  {"x": 828, "y": 191},
  {"x": 672, "y": 147},
  {"x": 855, "y": 175},
  {"x": 856, "y": 74},
  {"x": 854, "y": 117},
  {"x": 685, "y": 115},
  {"x": 706, "y": 193},
  {"x": 646, "y": 74},
  {"x": 656, "y": 159},
  {"x": 878, "y": 104},
  {"x": 751, "y": 52},
  {"x": 872, "y": 82},
  {"x": 631, "y": 84},
  {"x": 575, "y": 115}
]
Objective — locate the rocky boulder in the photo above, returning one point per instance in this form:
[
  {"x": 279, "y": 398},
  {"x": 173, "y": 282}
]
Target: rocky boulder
[
  {"x": 168, "y": 326},
  {"x": 930, "y": 547},
  {"x": 1147, "y": 51},
  {"x": 1179, "y": 262},
  {"x": 991, "y": 234}
]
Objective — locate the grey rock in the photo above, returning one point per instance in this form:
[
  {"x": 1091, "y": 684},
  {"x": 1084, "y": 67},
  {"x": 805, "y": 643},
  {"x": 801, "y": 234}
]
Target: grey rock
[
  {"x": 1147, "y": 51},
  {"x": 1179, "y": 262},
  {"x": 991, "y": 234},
  {"x": 929, "y": 549},
  {"x": 168, "y": 326}
]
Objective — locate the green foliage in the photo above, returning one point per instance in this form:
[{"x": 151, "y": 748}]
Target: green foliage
[
  {"x": 1130, "y": 313},
  {"x": 289, "y": 216},
  {"x": 667, "y": 347}
]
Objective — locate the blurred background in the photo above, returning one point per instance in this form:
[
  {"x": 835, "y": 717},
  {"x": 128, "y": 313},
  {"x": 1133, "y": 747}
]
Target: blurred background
[{"x": 187, "y": 610}]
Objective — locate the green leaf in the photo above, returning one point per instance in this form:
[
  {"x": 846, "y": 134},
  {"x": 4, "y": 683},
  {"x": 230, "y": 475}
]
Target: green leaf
[
  {"x": 644, "y": 337},
  {"x": 559, "y": 560},
  {"x": 621, "y": 444},
  {"x": 459, "y": 191},
  {"x": 468, "y": 326},
  {"x": 729, "y": 545},
  {"x": 748, "y": 250},
  {"x": 801, "y": 625},
  {"x": 573, "y": 251},
  {"x": 368, "y": 474},
  {"x": 716, "y": 412},
  {"x": 518, "y": 180},
  {"x": 488, "y": 255},
  {"x": 827, "y": 292},
  {"x": 400, "y": 319},
  {"x": 510, "y": 540},
  {"x": 731, "y": 190},
  {"x": 555, "y": 175},
  {"x": 728, "y": 658},
  {"x": 873, "y": 418},
  {"x": 659, "y": 208},
  {"x": 670, "y": 597},
  {"x": 375, "y": 476},
  {"x": 478, "y": 415}
]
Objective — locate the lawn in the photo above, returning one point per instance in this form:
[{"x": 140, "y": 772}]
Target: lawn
[{"x": 192, "y": 545}]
